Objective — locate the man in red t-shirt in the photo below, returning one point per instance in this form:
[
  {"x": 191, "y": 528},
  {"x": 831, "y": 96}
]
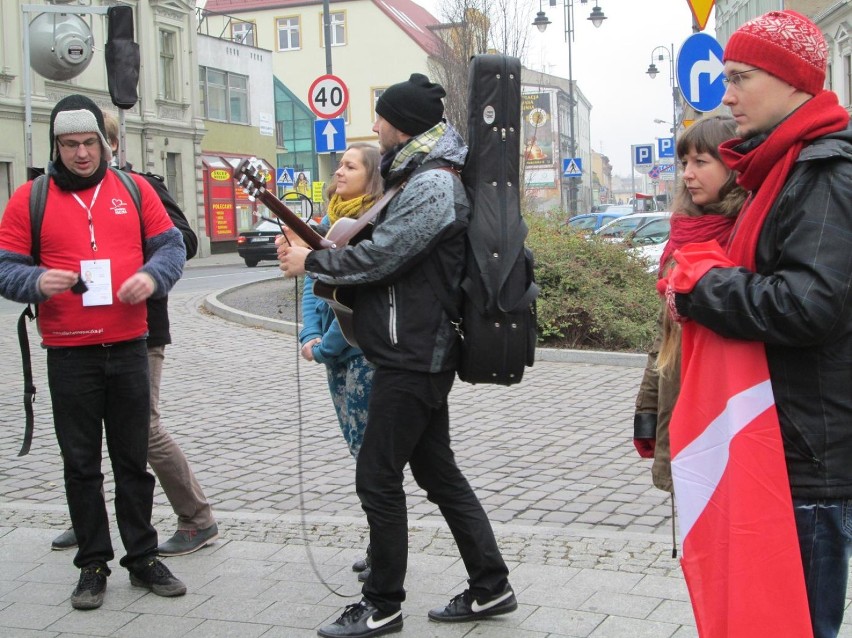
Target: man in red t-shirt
[{"x": 94, "y": 330}]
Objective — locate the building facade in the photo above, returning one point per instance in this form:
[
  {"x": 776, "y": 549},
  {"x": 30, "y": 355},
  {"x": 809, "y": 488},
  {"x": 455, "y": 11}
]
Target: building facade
[
  {"x": 546, "y": 129},
  {"x": 293, "y": 30},
  {"x": 164, "y": 128}
]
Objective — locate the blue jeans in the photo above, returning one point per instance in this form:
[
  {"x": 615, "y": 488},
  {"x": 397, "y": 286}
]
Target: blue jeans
[
  {"x": 409, "y": 424},
  {"x": 97, "y": 389},
  {"x": 825, "y": 539}
]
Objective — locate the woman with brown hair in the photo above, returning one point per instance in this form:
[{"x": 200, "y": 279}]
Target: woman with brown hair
[{"x": 706, "y": 206}]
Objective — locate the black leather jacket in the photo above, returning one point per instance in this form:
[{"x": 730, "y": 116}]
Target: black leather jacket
[{"x": 799, "y": 304}]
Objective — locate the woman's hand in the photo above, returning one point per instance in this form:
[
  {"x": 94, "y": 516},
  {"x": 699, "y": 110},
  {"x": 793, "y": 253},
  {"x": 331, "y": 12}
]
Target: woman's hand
[{"x": 308, "y": 349}]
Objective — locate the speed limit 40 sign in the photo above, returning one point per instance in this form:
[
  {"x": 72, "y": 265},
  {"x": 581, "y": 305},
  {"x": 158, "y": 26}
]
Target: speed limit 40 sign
[{"x": 328, "y": 96}]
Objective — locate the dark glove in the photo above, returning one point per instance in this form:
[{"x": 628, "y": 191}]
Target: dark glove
[{"x": 645, "y": 434}]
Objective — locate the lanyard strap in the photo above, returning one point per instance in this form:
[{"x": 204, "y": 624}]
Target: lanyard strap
[{"x": 88, "y": 210}]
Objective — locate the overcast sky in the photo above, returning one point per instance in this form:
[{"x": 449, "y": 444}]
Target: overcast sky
[{"x": 609, "y": 65}]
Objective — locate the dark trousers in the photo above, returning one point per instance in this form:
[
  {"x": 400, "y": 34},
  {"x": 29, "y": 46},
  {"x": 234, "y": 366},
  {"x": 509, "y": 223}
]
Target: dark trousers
[
  {"x": 825, "y": 539},
  {"x": 409, "y": 422},
  {"x": 96, "y": 389}
]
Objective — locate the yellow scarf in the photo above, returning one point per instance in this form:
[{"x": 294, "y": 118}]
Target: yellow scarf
[{"x": 338, "y": 208}]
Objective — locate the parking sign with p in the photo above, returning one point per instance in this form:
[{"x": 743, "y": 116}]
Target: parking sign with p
[
  {"x": 643, "y": 157},
  {"x": 665, "y": 147}
]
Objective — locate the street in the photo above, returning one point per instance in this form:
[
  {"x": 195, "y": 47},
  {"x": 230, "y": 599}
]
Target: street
[{"x": 586, "y": 536}]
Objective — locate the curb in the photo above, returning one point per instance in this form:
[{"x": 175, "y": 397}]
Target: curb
[{"x": 214, "y": 305}]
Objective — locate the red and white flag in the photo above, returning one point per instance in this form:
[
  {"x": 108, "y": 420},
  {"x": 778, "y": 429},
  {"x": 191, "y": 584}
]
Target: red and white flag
[{"x": 741, "y": 555}]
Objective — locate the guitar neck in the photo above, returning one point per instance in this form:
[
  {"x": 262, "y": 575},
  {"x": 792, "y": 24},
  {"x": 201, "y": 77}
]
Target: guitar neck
[
  {"x": 294, "y": 222},
  {"x": 254, "y": 183}
]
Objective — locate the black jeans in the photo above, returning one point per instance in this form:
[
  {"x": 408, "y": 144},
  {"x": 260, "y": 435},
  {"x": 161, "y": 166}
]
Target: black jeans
[
  {"x": 409, "y": 422},
  {"x": 91, "y": 386}
]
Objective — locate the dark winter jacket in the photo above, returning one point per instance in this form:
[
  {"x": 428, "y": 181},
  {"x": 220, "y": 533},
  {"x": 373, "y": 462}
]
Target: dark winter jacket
[
  {"x": 158, "y": 309},
  {"x": 399, "y": 321},
  {"x": 799, "y": 304}
]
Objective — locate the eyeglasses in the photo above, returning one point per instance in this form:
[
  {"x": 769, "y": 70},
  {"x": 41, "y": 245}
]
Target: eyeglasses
[
  {"x": 74, "y": 144},
  {"x": 737, "y": 78}
]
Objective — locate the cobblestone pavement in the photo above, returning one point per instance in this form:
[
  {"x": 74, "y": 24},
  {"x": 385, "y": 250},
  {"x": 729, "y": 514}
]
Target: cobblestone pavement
[{"x": 588, "y": 539}]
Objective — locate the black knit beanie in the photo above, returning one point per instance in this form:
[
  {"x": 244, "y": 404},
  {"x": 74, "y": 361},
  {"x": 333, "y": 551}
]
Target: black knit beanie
[
  {"x": 77, "y": 114},
  {"x": 413, "y": 106}
]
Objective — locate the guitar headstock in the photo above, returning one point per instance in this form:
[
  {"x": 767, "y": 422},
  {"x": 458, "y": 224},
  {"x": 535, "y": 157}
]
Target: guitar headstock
[{"x": 253, "y": 176}]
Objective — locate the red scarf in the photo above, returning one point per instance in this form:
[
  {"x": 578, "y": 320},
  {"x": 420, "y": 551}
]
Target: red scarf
[
  {"x": 687, "y": 229},
  {"x": 764, "y": 170}
]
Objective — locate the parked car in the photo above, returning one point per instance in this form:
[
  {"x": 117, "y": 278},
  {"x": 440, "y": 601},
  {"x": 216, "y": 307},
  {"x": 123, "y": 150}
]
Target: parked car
[
  {"x": 590, "y": 222},
  {"x": 626, "y": 225},
  {"x": 649, "y": 240},
  {"x": 258, "y": 243}
]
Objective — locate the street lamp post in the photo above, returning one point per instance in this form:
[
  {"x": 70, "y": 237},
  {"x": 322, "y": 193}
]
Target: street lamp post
[
  {"x": 596, "y": 17},
  {"x": 661, "y": 54}
]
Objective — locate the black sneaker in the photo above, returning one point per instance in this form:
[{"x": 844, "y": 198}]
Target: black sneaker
[
  {"x": 464, "y": 607},
  {"x": 186, "y": 541},
  {"x": 363, "y": 576},
  {"x": 66, "y": 540},
  {"x": 363, "y": 563},
  {"x": 91, "y": 588},
  {"x": 154, "y": 575},
  {"x": 361, "y": 620}
]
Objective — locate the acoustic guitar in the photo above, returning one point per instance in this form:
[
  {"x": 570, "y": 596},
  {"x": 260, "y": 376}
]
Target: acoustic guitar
[{"x": 253, "y": 177}]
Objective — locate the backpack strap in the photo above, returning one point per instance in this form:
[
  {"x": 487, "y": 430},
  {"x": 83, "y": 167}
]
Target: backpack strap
[
  {"x": 429, "y": 267},
  {"x": 38, "y": 199},
  {"x": 132, "y": 188},
  {"x": 29, "y": 387}
]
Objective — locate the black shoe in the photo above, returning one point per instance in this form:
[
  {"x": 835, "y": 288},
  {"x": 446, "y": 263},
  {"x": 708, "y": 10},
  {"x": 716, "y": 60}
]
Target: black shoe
[
  {"x": 154, "y": 575},
  {"x": 186, "y": 541},
  {"x": 91, "y": 588},
  {"x": 363, "y": 563},
  {"x": 361, "y": 620},
  {"x": 463, "y": 607},
  {"x": 66, "y": 540},
  {"x": 363, "y": 576}
]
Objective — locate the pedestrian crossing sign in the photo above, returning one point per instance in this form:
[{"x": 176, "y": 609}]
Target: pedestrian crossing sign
[
  {"x": 572, "y": 167},
  {"x": 284, "y": 177}
]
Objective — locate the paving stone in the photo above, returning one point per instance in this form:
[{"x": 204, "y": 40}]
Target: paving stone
[{"x": 586, "y": 536}]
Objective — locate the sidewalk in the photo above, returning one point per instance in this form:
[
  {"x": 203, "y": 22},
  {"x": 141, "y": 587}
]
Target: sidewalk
[{"x": 586, "y": 536}]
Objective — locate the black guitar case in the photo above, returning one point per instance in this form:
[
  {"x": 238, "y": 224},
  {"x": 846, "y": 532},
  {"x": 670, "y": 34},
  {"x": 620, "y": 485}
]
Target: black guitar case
[{"x": 498, "y": 317}]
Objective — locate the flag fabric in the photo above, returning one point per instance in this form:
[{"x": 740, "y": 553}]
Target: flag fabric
[{"x": 741, "y": 557}]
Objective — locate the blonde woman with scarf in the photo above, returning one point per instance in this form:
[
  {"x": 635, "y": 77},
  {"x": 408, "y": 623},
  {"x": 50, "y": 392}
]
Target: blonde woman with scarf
[{"x": 355, "y": 186}]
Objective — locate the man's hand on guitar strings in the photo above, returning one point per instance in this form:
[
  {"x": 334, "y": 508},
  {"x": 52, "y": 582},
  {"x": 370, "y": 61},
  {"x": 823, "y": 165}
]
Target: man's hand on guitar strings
[{"x": 291, "y": 258}]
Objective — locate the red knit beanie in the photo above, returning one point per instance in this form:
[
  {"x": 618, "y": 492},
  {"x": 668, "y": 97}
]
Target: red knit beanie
[{"x": 784, "y": 44}]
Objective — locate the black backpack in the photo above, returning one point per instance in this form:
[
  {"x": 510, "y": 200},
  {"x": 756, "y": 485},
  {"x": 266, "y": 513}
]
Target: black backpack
[
  {"x": 38, "y": 200},
  {"x": 497, "y": 319}
]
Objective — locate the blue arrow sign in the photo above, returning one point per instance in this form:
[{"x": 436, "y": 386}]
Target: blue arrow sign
[
  {"x": 699, "y": 72},
  {"x": 330, "y": 135},
  {"x": 665, "y": 147},
  {"x": 572, "y": 167}
]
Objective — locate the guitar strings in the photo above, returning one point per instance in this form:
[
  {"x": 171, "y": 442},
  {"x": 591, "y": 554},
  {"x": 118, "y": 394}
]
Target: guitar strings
[{"x": 299, "y": 444}]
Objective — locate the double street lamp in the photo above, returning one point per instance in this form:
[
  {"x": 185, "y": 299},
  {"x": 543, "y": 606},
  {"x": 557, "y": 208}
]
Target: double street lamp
[
  {"x": 596, "y": 17},
  {"x": 661, "y": 54}
]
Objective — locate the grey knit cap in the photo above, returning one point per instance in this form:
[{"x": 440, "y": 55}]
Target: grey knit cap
[{"x": 77, "y": 114}]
